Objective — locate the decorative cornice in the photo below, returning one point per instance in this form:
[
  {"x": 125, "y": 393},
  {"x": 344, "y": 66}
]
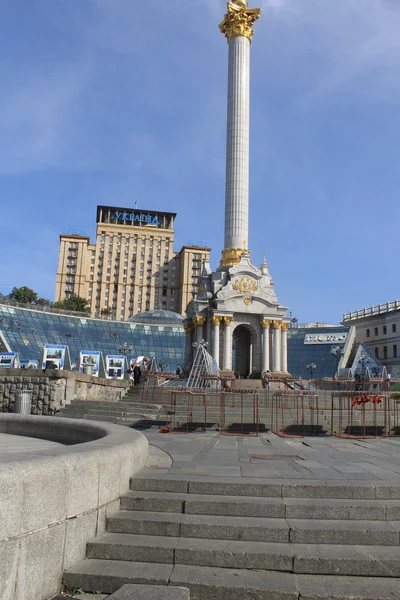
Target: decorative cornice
[
  {"x": 216, "y": 320},
  {"x": 239, "y": 21},
  {"x": 198, "y": 321},
  {"x": 265, "y": 323}
]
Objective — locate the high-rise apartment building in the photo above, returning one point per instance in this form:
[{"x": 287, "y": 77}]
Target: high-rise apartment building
[{"x": 132, "y": 267}]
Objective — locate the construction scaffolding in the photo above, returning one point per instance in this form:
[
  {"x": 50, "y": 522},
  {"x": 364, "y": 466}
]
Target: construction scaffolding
[{"x": 203, "y": 367}]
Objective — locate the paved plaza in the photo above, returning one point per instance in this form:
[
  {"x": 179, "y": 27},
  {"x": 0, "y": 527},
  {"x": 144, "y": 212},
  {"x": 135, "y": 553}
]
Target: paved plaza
[{"x": 272, "y": 457}]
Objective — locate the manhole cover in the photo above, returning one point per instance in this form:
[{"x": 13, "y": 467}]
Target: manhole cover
[{"x": 276, "y": 456}]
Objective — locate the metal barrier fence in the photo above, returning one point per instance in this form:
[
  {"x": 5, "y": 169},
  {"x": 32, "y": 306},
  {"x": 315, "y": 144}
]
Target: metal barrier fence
[{"x": 361, "y": 413}]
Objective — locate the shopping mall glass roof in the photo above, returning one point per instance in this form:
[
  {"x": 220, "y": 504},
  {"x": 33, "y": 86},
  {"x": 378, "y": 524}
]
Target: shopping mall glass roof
[
  {"x": 157, "y": 317},
  {"x": 26, "y": 331}
]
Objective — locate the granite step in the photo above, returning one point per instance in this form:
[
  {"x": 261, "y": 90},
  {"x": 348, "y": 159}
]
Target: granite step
[
  {"x": 112, "y": 413},
  {"x": 204, "y": 505},
  {"x": 119, "y": 404},
  {"x": 241, "y": 486},
  {"x": 199, "y": 526},
  {"x": 214, "y": 583},
  {"x": 297, "y": 531},
  {"x": 133, "y": 421},
  {"x": 356, "y": 560},
  {"x": 149, "y": 592}
]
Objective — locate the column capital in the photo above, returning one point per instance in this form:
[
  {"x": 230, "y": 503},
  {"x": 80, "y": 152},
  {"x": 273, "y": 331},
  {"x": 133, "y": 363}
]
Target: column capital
[
  {"x": 239, "y": 20},
  {"x": 285, "y": 326},
  {"x": 276, "y": 324},
  {"x": 188, "y": 327},
  {"x": 228, "y": 320},
  {"x": 231, "y": 256},
  {"x": 266, "y": 323},
  {"x": 216, "y": 319},
  {"x": 198, "y": 321}
]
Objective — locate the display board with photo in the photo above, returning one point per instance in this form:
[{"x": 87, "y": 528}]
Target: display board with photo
[
  {"x": 115, "y": 367},
  {"x": 29, "y": 364},
  {"x": 92, "y": 359},
  {"x": 9, "y": 360},
  {"x": 55, "y": 357}
]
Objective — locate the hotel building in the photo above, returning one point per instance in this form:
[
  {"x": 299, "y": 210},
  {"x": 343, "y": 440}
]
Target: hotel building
[{"x": 132, "y": 267}]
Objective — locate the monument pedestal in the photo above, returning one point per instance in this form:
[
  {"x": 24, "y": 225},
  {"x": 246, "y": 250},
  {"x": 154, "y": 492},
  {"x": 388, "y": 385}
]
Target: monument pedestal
[{"x": 248, "y": 326}]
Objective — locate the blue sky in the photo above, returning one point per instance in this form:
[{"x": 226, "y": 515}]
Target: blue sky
[{"x": 113, "y": 101}]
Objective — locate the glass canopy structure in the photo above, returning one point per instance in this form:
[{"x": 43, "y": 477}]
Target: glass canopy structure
[{"x": 157, "y": 334}]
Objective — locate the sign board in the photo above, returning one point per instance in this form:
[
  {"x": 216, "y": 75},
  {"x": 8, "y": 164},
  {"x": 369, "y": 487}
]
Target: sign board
[
  {"x": 91, "y": 360},
  {"x": 55, "y": 357},
  {"x": 115, "y": 366},
  {"x": 9, "y": 360},
  {"x": 137, "y": 217},
  {"x": 325, "y": 338},
  {"x": 28, "y": 364}
]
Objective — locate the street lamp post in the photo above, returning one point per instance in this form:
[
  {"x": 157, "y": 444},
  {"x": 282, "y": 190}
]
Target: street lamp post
[
  {"x": 125, "y": 349},
  {"x": 312, "y": 367}
]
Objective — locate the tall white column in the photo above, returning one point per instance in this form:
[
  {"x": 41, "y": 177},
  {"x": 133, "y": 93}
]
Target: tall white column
[
  {"x": 265, "y": 323},
  {"x": 237, "y": 27},
  {"x": 276, "y": 347},
  {"x": 215, "y": 338},
  {"x": 227, "y": 361},
  {"x": 284, "y": 329},
  {"x": 198, "y": 322},
  {"x": 209, "y": 333},
  {"x": 237, "y": 145}
]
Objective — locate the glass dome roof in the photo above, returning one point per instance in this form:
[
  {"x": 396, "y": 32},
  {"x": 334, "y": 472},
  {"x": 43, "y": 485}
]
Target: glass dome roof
[{"x": 158, "y": 317}]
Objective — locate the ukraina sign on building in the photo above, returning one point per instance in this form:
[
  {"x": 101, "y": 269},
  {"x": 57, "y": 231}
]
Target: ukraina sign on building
[
  {"x": 138, "y": 217},
  {"x": 325, "y": 338}
]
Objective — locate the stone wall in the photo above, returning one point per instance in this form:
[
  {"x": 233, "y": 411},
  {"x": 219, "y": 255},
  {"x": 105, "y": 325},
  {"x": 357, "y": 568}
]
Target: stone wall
[{"x": 52, "y": 390}]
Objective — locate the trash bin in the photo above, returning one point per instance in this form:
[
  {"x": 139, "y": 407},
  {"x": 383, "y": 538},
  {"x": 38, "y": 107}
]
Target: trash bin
[
  {"x": 88, "y": 369},
  {"x": 23, "y": 402}
]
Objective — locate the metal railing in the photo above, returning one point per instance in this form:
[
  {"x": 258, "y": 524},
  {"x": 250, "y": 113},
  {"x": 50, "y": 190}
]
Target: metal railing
[{"x": 372, "y": 311}]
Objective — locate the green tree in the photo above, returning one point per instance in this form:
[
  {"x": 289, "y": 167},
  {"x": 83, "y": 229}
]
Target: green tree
[
  {"x": 43, "y": 302},
  {"x": 74, "y": 303},
  {"x": 106, "y": 312},
  {"x": 23, "y": 294}
]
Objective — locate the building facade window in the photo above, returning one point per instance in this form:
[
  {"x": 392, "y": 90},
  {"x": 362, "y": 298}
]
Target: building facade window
[
  {"x": 376, "y": 331},
  {"x": 368, "y": 332},
  {"x": 394, "y": 328},
  {"x": 384, "y": 330},
  {"x": 394, "y": 350},
  {"x": 376, "y": 352},
  {"x": 384, "y": 352}
]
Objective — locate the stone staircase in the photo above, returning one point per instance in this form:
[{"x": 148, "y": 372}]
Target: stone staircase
[
  {"x": 125, "y": 412},
  {"x": 249, "y": 540}
]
